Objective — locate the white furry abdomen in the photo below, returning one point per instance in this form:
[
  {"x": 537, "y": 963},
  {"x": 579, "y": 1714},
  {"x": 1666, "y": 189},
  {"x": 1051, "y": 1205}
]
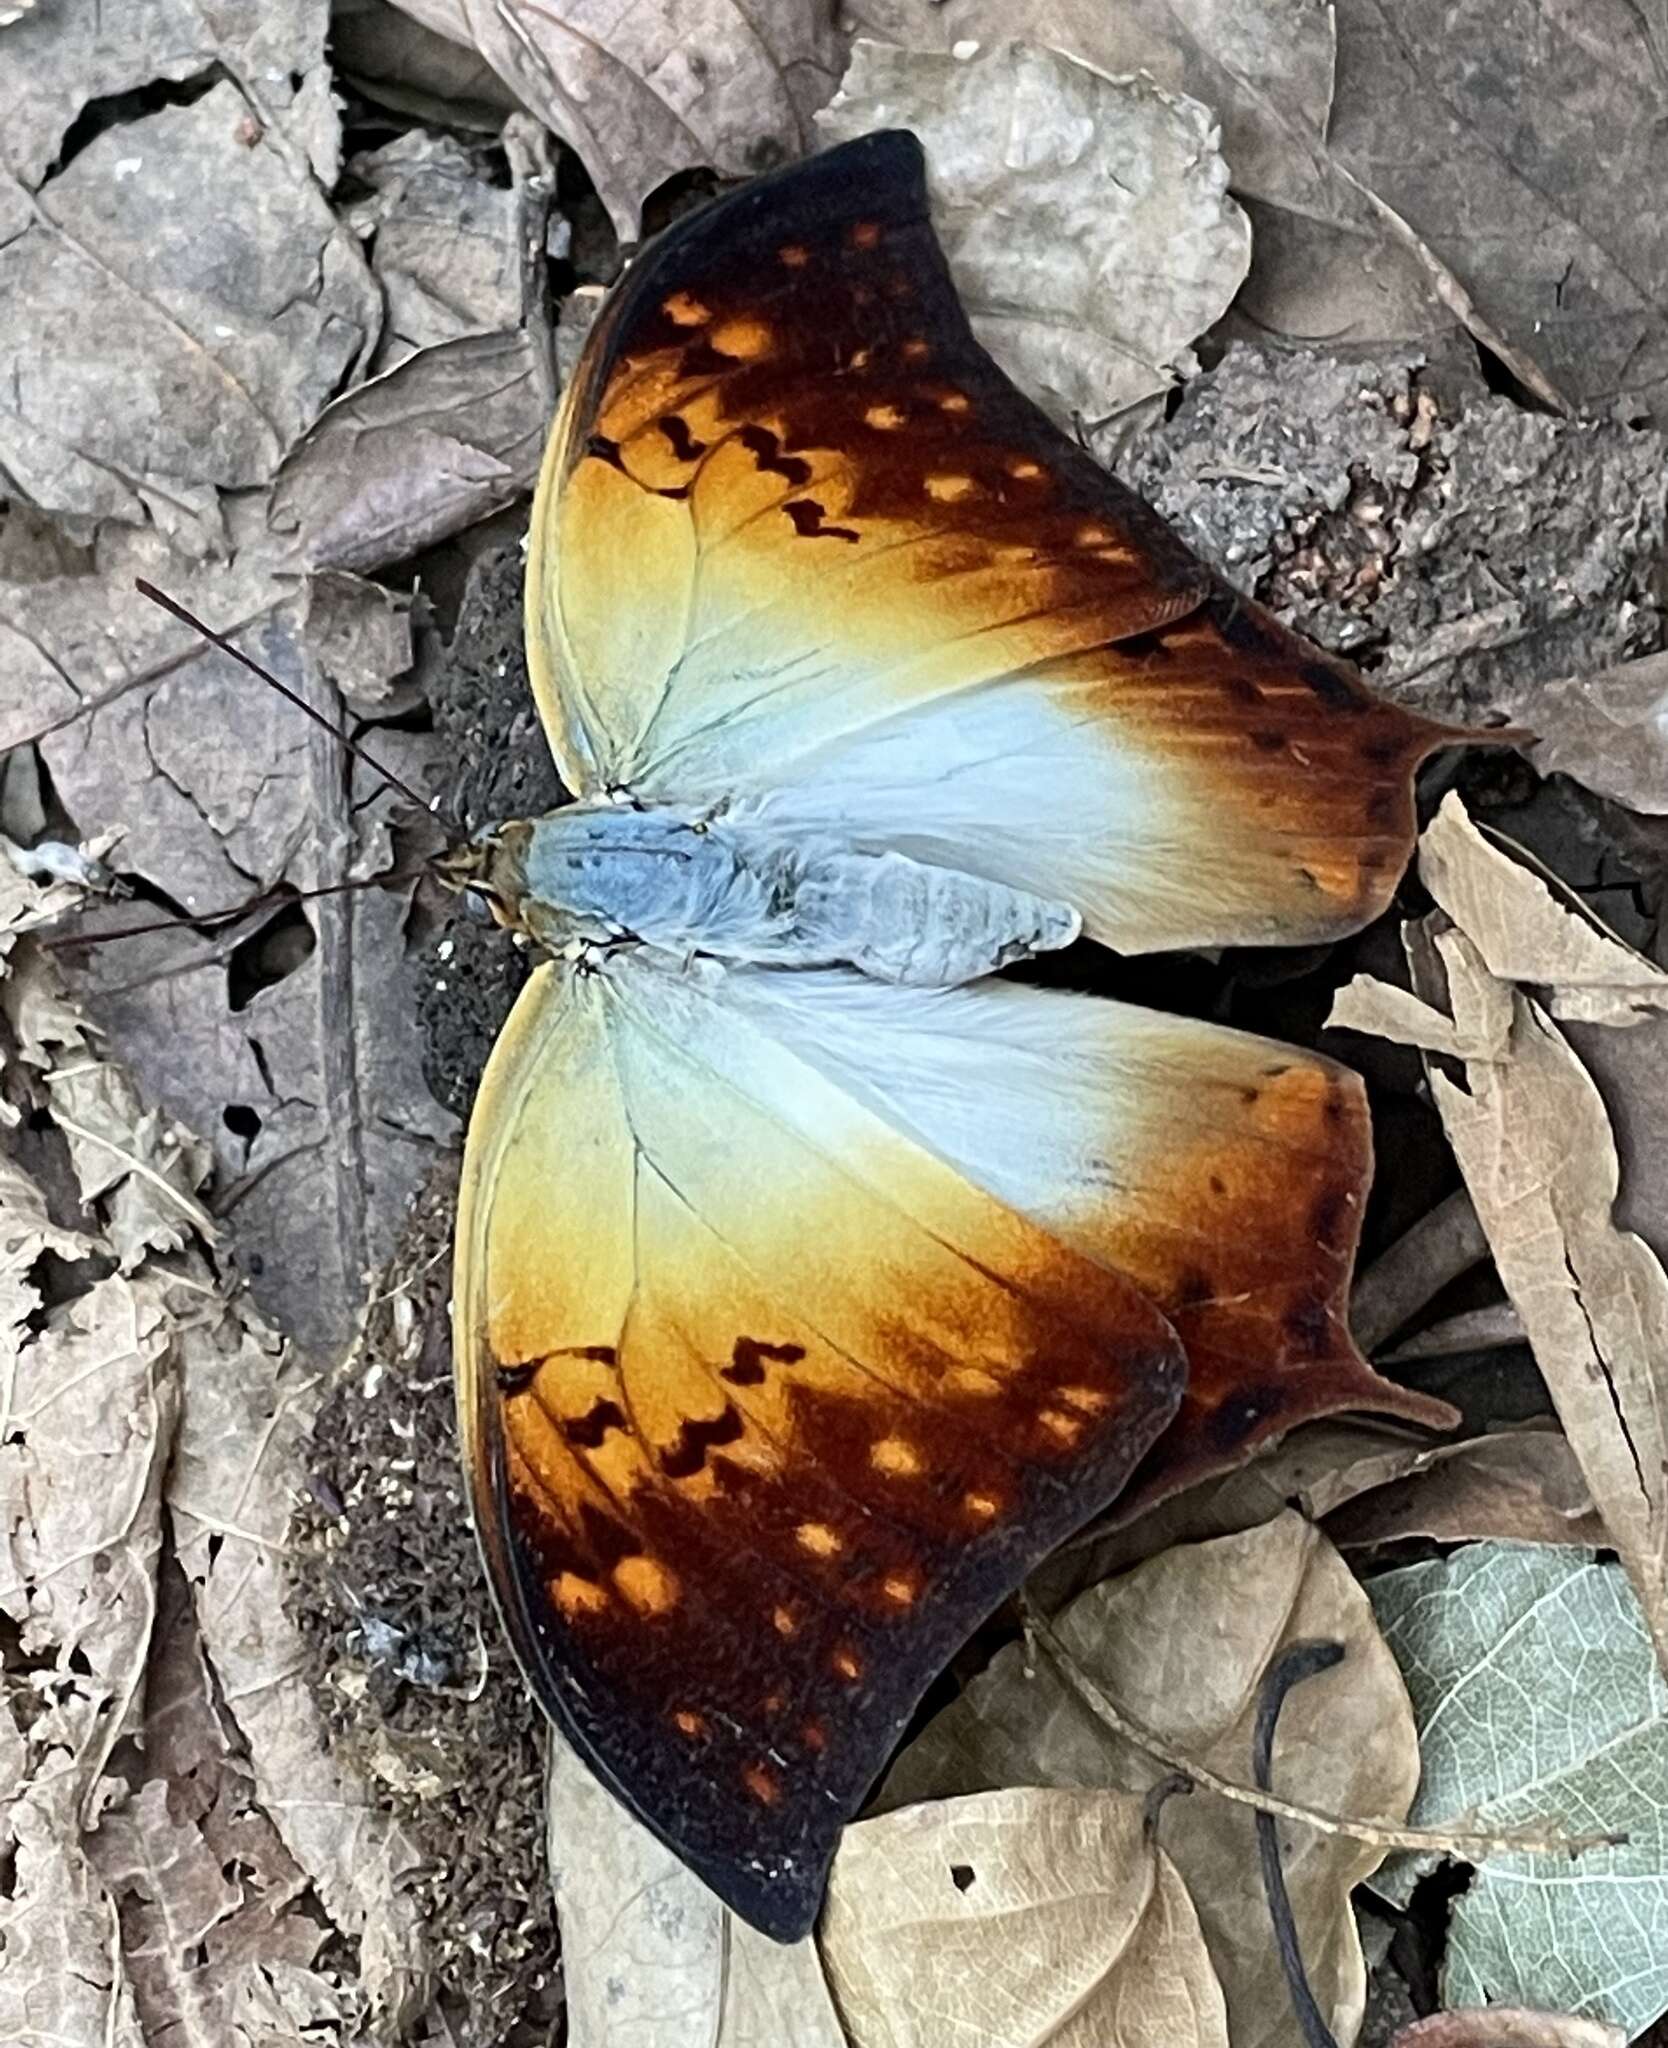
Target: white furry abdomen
[{"x": 744, "y": 893}]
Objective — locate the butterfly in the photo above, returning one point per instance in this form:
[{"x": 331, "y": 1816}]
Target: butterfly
[{"x": 812, "y": 1280}]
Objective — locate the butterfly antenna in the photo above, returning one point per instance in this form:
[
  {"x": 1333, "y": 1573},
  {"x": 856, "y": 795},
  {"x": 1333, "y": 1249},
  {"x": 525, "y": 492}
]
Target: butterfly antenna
[
  {"x": 190, "y": 921},
  {"x": 428, "y": 804}
]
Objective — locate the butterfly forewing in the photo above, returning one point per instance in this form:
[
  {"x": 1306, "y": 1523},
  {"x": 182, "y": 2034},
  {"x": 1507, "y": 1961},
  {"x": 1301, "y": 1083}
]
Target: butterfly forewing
[{"x": 796, "y": 530}]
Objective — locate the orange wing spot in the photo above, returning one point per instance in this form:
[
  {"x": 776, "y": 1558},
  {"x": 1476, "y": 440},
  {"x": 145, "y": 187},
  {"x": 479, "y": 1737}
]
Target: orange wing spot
[
  {"x": 917, "y": 349},
  {"x": 846, "y": 1664},
  {"x": 1068, "y": 1428},
  {"x": 784, "y": 1621},
  {"x": 819, "y": 1539},
  {"x": 647, "y": 1584},
  {"x": 689, "y": 1723},
  {"x": 813, "y": 1734},
  {"x": 883, "y": 416},
  {"x": 981, "y": 1507},
  {"x": 763, "y": 1783},
  {"x": 903, "y": 1589},
  {"x": 575, "y": 1596},
  {"x": 865, "y": 234},
  {"x": 894, "y": 1456},
  {"x": 683, "y": 309},
  {"x": 1093, "y": 535},
  {"x": 948, "y": 489},
  {"x": 742, "y": 338},
  {"x": 973, "y": 1379},
  {"x": 954, "y": 401},
  {"x": 1086, "y": 1400},
  {"x": 794, "y": 254},
  {"x": 1024, "y": 468},
  {"x": 860, "y": 358}
]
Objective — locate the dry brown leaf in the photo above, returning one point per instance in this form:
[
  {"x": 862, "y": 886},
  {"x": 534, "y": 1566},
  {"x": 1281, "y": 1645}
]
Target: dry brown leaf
[
  {"x": 1017, "y": 1918},
  {"x": 1315, "y": 1470},
  {"x": 1086, "y": 219},
  {"x": 1534, "y": 1142},
  {"x": 1525, "y": 932},
  {"x": 1535, "y": 1145},
  {"x": 1508, "y": 2026},
  {"x": 144, "y": 1409},
  {"x": 641, "y": 93},
  {"x": 1516, "y": 1486},
  {"x": 1180, "y": 1645},
  {"x": 648, "y": 1953}
]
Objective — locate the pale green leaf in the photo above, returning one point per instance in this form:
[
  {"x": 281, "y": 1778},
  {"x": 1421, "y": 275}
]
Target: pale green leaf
[{"x": 1538, "y": 1699}]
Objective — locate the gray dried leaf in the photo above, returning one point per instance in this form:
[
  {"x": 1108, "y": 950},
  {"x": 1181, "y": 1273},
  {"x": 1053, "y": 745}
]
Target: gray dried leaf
[
  {"x": 447, "y": 249},
  {"x": 291, "y": 1039},
  {"x": 452, "y": 434},
  {"x": 1323, "y": 265},
  {"x": 642, "y": 93},
  {"x": 70, "y": 52},
  {"x": 1515, "y": 144},
  {"x": 217, "y": 335},
  {"x": 1086, "y": 219},
  {"x": 396, "y": 61},
  {"x": 147, "y": 1403},
  {"x": 246, "y": 1409},
  {"x": 1608, "y": 730},
  {"x": 1530, "y": 932},
  {"x": 1515, "y": 1486}
]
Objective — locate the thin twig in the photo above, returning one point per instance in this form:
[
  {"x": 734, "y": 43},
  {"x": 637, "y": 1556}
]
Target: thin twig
[
  {"x": 1416, "y": 1268},
  {"x": 1381, "y": 1834}
]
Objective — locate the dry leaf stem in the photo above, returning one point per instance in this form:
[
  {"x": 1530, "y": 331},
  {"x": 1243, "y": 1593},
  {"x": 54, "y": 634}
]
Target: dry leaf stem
[{"x": 1381, "y": 1834}]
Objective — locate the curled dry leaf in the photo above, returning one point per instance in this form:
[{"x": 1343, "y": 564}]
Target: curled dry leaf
[
  {"x": 641, "y": 93},
  {"x": 1517, "y": 1486},
  {"x": 1016, "y": 1917},
  {"x": 649, "y": 1955},
  {"x": 1181, "y": 1645},
  {"x": 1527, "y": 932},
  {"x": 1537, "y": 1697},
  {"x": 1086, "y": 219}
]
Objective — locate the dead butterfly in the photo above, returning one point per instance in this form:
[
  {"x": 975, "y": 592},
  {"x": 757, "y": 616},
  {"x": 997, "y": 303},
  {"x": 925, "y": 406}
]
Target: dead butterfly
[{"x": 811, "y": 1282}]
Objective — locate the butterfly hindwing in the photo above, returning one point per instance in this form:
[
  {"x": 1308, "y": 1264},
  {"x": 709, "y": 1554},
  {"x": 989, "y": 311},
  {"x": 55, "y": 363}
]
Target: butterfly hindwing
[{"x": 764, "y": 1406}]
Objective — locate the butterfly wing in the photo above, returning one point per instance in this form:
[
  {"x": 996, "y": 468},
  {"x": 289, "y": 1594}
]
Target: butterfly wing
[
  {"x": 802, "y": 550},
  {"x": 1224, "y": 1174},
  {"x": 764, "y": 1405}
]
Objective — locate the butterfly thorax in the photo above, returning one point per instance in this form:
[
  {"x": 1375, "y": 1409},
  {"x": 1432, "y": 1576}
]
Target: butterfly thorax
[{"x": 689, "y": 883}]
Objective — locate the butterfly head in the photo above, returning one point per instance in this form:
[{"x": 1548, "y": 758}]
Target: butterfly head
[{"x": 490, "y": 872}]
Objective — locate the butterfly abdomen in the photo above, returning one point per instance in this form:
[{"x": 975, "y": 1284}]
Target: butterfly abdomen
[
  {"x": 688, "y": 885},
  {"x": 908, "y": 922}
]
